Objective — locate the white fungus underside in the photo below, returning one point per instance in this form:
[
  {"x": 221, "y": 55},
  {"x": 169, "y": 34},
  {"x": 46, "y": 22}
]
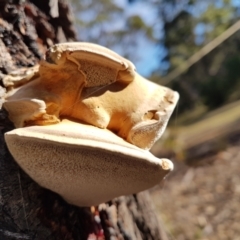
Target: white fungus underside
[{"x": 84, "y": 164}]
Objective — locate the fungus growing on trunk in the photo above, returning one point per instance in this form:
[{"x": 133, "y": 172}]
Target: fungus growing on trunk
[{"x": 86, "y": 121}]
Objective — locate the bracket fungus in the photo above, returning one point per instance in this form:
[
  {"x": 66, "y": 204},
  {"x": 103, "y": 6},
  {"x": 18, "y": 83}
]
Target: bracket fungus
[{"x": 85, "y": 122}]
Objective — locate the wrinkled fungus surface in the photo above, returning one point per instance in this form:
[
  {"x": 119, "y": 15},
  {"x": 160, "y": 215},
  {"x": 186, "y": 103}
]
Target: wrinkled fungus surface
[{"x": 116, "y": 116}]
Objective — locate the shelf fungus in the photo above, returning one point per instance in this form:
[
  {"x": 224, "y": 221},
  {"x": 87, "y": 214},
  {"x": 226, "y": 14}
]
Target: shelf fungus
[{"x": 85, "y": 121}]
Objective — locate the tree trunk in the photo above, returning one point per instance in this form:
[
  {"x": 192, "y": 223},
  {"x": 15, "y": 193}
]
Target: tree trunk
[{"x": 27, "y": 211}]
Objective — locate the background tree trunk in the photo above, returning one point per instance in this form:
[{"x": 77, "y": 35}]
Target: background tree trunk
[{"x": 27, "y": 211}]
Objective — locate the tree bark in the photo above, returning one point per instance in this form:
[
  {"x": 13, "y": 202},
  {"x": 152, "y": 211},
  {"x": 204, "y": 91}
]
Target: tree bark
[{"x": 27, "y": 211}]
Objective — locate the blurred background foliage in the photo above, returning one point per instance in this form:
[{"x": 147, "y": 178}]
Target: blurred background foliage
[{"x": 174, "y": 30}]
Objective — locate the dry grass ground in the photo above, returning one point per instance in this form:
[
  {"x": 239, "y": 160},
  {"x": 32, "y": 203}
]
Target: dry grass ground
[{"x": 202, "y": 202}]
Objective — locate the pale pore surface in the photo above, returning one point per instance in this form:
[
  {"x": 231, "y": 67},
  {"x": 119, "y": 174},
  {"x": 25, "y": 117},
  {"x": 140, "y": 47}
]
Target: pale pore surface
[
  {"x": 86, "y": 55},
  {"x": 84, "y": 164}
]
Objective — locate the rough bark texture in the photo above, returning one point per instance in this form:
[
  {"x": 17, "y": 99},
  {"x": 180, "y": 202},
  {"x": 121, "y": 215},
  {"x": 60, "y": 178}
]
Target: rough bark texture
[{"x": 28, "y": 211}]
